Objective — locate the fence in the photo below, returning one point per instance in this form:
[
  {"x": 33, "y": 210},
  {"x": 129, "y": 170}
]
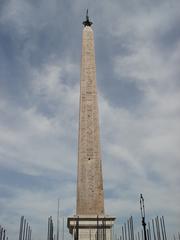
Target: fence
[
  {"x": 154, "y": 230},
  {"x": 3, "y": 233},
  {"x": 25, "y": 230}
]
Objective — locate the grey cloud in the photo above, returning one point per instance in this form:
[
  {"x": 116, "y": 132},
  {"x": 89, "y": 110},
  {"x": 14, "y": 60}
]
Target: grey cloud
[{"x": 40, "y": 46}]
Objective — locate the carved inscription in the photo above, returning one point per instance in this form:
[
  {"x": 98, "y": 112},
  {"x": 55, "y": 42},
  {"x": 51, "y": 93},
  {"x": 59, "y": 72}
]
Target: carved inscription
[{"x": 90, "y": 198}]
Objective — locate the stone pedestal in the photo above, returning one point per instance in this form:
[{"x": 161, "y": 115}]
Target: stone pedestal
[{"x": 91, "y": 227}]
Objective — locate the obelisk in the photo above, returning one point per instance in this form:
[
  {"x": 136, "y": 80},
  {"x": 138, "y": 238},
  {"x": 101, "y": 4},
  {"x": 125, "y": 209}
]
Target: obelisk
[
  {"x": 89, "y": 221},
  {"x": 90, "y": 197}
]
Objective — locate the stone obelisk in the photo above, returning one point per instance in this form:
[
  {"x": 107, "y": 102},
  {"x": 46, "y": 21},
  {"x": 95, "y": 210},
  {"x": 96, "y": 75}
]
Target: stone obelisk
[
  {"x": 90, "y": 222},
  {"x": 90, "y": 197}
]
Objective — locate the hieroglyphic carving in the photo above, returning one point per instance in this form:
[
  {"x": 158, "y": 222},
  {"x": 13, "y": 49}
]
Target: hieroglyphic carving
[{"x": 90, "y": 199}]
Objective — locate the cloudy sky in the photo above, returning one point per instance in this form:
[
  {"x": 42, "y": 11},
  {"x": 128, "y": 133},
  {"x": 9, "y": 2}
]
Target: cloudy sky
[{"x": 138, "y": 58}]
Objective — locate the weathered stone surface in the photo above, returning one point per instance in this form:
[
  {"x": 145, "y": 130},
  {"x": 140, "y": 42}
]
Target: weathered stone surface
[
  {"x": 90, "y": 197},
  {"x": 89, "y": 223},
  {"x": 91, "y": 227}
]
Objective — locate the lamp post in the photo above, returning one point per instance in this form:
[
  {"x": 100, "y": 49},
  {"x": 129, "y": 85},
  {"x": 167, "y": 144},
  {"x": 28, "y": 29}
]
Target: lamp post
[{"x": 143, "y": 215}]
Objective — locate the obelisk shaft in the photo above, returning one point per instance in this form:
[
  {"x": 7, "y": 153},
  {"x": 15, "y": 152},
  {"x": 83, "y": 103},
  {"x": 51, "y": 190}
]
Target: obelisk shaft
[{"x": 90, "y": 196}]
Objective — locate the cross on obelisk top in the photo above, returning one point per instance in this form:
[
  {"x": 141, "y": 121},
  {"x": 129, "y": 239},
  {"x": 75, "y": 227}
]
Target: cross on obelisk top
[{"x": 87, "y": 22}]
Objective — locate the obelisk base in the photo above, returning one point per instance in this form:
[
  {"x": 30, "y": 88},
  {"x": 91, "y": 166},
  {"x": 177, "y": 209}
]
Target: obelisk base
[{"x": 91, "y": 227}]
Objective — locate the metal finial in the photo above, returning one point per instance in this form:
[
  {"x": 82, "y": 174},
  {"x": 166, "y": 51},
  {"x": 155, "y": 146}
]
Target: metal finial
[{"x": 87, "y": 22}]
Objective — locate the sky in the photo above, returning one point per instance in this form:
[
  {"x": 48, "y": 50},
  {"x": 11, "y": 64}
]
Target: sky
[{"x": 137, "y": 46}]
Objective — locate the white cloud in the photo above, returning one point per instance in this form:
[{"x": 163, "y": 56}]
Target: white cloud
[
  {"x": 35, "y": 140},
  {"x": 140, "y": 147}
]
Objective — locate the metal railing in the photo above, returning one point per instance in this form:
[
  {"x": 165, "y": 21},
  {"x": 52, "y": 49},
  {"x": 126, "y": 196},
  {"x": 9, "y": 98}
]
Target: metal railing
[
  {"x": 25, "y": 230},
  {"x": 3, "y": 233}
]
